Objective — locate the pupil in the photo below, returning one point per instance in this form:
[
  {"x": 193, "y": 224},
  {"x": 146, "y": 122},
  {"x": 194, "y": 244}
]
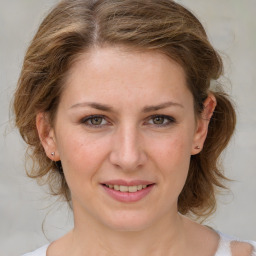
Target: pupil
[
  {"x": 158, "y": 120},
  {"x": 96, "y": 120}
]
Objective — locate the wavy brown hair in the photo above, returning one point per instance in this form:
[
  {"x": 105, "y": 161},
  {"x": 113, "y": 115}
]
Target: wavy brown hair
[{"x": 73, "y": 27}]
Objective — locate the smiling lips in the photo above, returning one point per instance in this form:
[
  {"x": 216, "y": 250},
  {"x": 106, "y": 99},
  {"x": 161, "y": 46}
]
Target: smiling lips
[
  {"x": 123, "y": 191},
  {"x": 130, "y": 189}
]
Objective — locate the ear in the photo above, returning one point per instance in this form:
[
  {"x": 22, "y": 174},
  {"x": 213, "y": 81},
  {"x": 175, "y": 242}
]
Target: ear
[
  {"x": 47, "y": 136},
  {"x": 202, "y": 124}
]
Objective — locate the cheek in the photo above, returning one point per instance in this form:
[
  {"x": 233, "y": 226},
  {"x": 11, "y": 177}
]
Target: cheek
[
  {"x": 81, "y": 155},
  {"x": 174, "y": 148},
  {"x": 174, "y": 160},
  {"x": 172, "y": 157},
  {"x": 175, "y": 165}
]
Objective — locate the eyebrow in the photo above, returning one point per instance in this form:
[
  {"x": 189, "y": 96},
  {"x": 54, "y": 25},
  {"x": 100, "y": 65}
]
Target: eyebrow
[
  {"x": 108, "y": 108},
  {"x": 95, "y": 105},
  {"x": 161, "y": 106}
]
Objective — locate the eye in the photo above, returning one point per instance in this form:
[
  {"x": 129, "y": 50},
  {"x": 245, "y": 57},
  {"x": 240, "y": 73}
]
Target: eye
[
  {"x": 161, "y": 120},
  {"x": 158, "y": 120},
  {"x": 94, "y": 121}
]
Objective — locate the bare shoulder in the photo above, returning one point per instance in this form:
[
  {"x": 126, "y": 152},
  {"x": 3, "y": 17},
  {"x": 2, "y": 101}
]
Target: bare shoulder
[
  {"x": 241, "y": 248},
  {"x": 202, "y": 240},
  {"x": 60, "y": 247}
]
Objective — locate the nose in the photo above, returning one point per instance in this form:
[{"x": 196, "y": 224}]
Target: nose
[{"x": 127, "y": 152}]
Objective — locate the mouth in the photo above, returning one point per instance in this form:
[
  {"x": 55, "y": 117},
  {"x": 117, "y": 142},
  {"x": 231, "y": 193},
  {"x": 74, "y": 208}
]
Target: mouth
[{"x": 130, "y": 189}]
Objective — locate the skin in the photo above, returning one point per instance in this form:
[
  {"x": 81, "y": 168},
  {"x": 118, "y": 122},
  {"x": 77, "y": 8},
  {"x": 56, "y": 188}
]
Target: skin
[{"x": 129, "y": 144}]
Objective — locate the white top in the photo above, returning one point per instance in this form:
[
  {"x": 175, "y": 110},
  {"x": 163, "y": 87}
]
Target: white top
[
  {"x": 223, "y": 248},
  {"x": 39, "y": 252}
]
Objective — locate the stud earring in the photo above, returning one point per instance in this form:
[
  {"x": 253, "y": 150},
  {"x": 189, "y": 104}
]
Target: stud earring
[
  {"x": 53, "y": 153},
  {"x": 197, "y": 147}
]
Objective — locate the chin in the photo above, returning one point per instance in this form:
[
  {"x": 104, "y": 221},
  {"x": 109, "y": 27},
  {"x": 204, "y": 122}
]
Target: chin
[{"x": 129, "y": 222}]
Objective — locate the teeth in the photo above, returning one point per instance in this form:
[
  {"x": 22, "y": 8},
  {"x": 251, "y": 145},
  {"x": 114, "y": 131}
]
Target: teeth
[
  {"x": 140, "y": 187},
  {"x": 116, "y": 187},
  {"x": 124, "y": 188},
  {"x": 133, "y": 188},
  {"x": 130, "y": 189}
]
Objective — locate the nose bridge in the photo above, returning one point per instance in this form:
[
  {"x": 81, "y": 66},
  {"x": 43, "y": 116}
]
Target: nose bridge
[{"x": 127, "y": 149}]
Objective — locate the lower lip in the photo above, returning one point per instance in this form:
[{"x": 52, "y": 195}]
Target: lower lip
[{"x": 128, "y": 196}]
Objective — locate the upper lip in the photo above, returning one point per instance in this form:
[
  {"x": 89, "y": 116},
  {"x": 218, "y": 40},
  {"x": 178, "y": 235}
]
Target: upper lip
[{"x": 127, "y": 183}]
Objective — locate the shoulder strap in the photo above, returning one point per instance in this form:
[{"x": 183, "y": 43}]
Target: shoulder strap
[
  {"x": 224, "y": 246},
  {"x": 39, "y": 252},
  {"x": 254, "y": 247}
]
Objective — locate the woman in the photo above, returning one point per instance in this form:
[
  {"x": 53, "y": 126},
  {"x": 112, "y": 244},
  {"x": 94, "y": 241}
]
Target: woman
[{"x": 114, "y": 101}]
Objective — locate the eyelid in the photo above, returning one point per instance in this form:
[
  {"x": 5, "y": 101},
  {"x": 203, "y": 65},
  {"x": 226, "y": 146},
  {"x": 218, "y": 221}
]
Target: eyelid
[
  {"x": 87, "y": 118},
  {"x": 170, "y": 119},
  {"x": 164, "y": 116}
]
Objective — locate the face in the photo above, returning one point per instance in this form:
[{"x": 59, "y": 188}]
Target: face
[{"x": 125, "y": 121}]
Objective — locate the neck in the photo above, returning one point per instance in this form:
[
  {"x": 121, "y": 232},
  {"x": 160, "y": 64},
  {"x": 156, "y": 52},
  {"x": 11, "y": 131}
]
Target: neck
[{"x": 165, "y": 237}]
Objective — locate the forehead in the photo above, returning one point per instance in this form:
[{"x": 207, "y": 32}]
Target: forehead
[
  {"x": 116, "y": 72},
  {"x": 105, "y": 59}
]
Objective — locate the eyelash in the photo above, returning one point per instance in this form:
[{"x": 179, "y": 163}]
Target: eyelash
[
  {"x": 170, "y": 120},
  {"x": 88, "y": 118}
]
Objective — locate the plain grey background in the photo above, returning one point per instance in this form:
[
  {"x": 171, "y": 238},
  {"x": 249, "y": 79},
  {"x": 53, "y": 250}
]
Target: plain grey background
[{"x": 24, "y": 206}]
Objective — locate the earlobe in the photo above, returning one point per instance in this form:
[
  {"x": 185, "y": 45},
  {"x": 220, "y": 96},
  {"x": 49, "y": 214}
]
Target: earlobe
[
  {"x": 202, "y": 124},
  {"x": 47, "y": 136}
]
